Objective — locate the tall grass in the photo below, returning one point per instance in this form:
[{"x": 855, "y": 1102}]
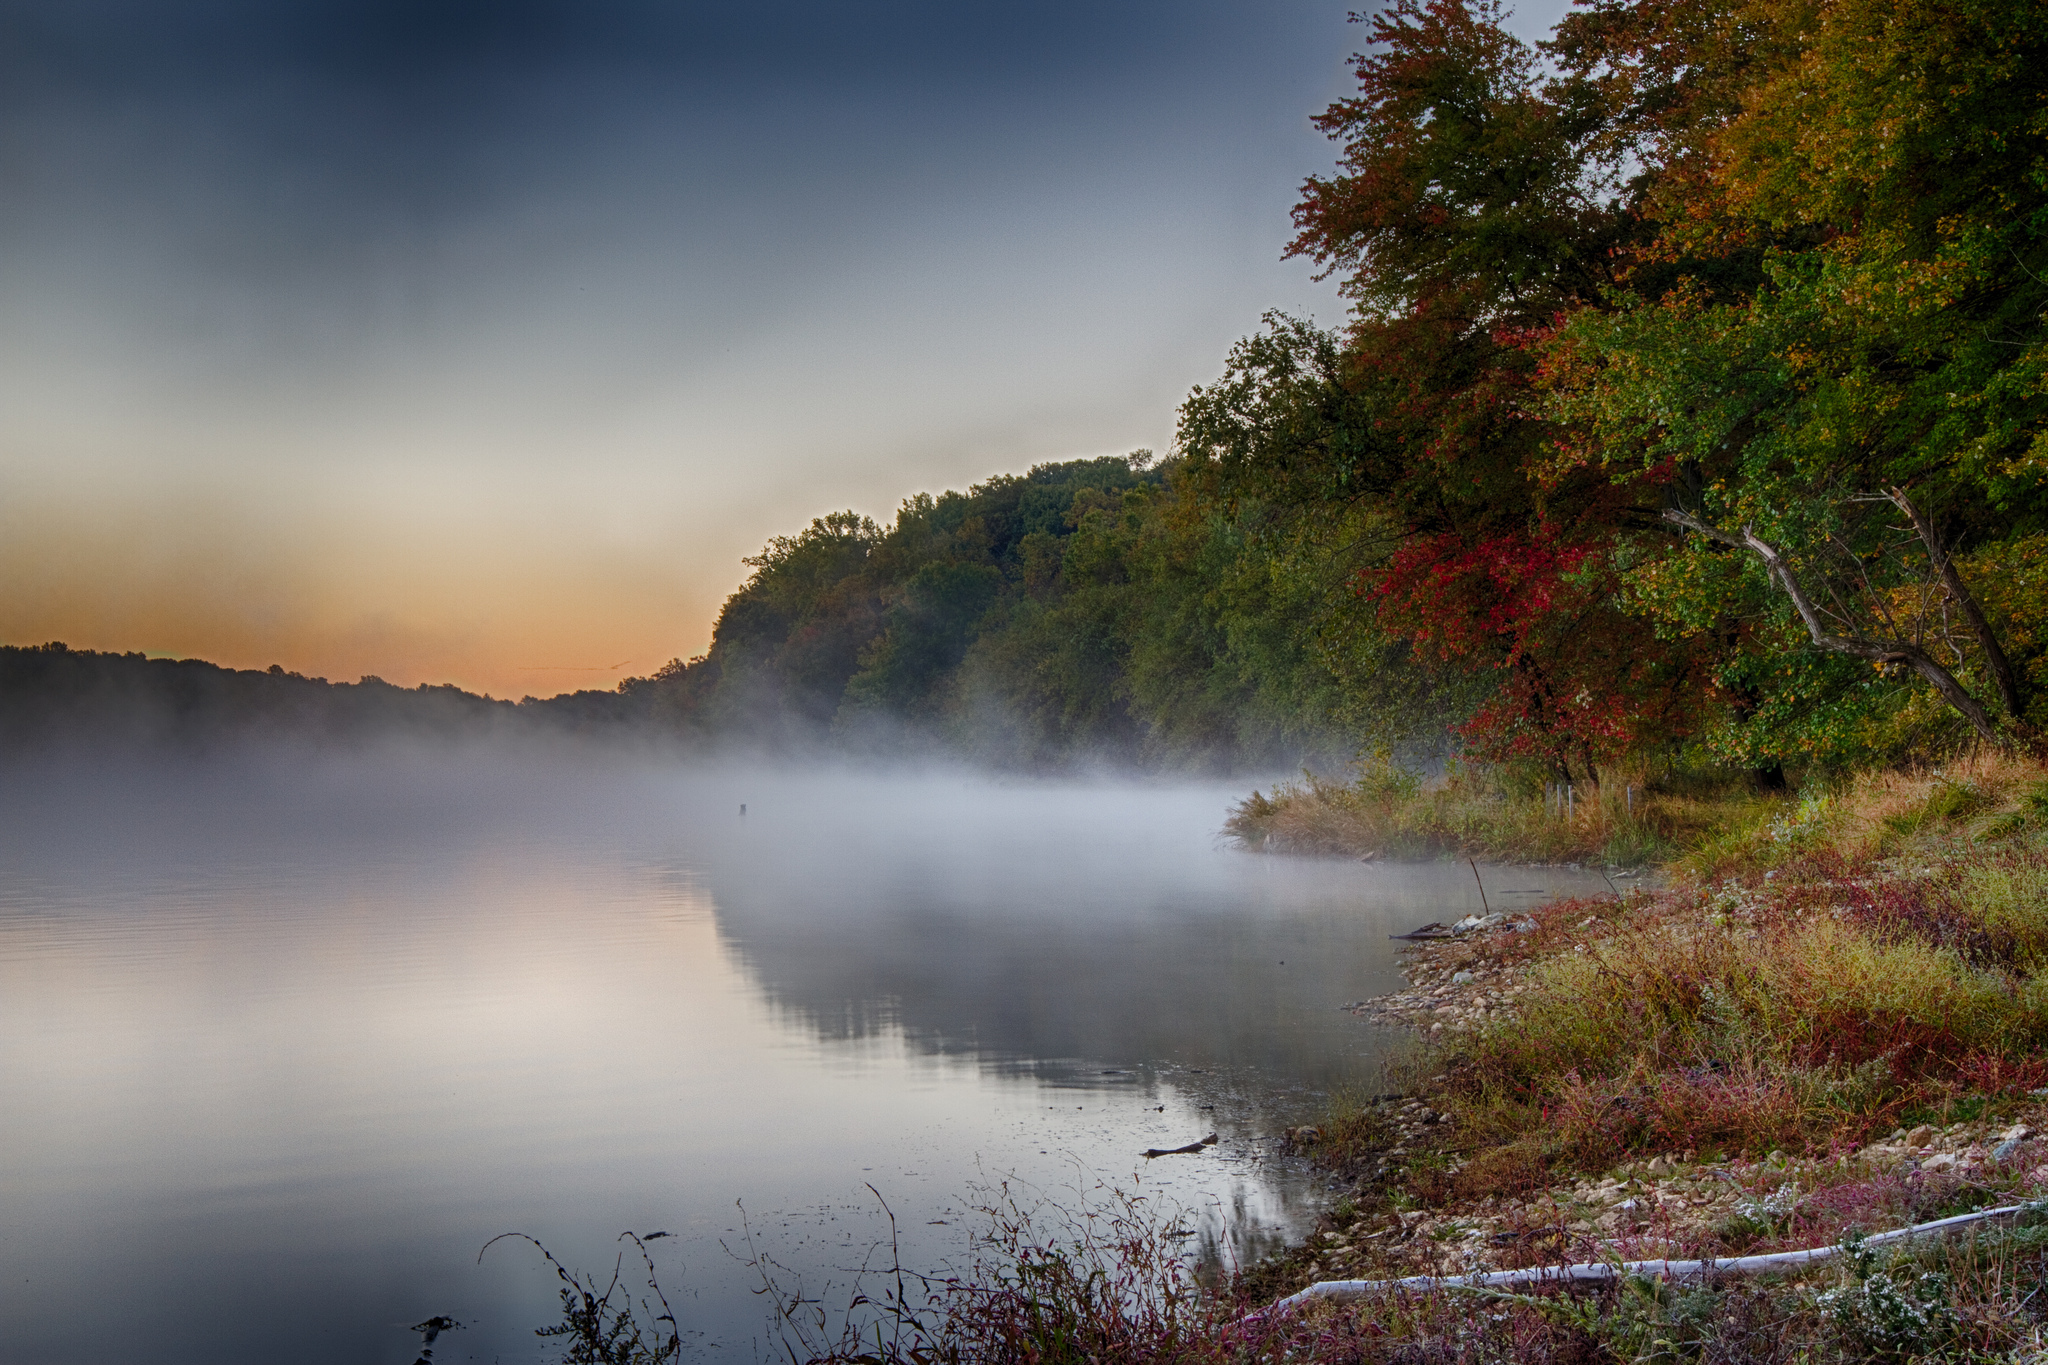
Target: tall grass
[
  {"x": 1703, "y": 825},
  {"x": 1983, "y": 797},
  {"x": 608, "y": 1326},
  {"x": 1101, "y": 1276},
  {"x": 1473, "y": 812},
  {"x": 1805, "y": 1009}
]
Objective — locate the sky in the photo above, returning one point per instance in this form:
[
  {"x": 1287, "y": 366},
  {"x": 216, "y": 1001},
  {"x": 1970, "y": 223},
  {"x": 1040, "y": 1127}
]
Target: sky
[{"x": 476, "y": 341}]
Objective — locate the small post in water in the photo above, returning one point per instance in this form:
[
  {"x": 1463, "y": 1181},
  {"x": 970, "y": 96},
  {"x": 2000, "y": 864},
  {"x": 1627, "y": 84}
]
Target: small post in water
[{"x": 1482, "y": 884}]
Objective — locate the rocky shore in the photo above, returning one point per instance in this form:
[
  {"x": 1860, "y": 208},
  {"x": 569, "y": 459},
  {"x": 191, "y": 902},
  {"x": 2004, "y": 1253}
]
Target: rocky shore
[{"x": 1405, "y": 1215}]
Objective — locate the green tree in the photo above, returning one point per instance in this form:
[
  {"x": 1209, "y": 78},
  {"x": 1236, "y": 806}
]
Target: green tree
[{"x": 1833, "y": 352}]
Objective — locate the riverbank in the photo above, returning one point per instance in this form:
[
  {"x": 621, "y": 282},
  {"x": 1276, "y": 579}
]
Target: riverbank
[
  {"x": 1832, "y": 1023},
  {"x": 1827, "y": 1025},
  {"x": 1698, "y": 825},
  {"x": 1386, "y": 813}
]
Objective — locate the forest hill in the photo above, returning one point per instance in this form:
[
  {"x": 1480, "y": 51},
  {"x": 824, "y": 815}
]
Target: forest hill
[{"x": 1075, "y": 613}]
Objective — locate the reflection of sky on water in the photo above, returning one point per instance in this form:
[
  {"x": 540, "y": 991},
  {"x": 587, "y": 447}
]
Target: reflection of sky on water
[{"x": 283, "y": 1049}]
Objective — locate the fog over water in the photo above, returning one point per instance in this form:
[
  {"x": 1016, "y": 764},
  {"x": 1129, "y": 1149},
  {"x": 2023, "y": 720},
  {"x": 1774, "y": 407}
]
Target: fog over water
[{"x": 286, "y": 1039}]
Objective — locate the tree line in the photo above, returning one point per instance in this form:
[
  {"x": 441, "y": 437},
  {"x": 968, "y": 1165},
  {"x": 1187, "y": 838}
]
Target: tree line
[{"x": 1692, "y": 407}]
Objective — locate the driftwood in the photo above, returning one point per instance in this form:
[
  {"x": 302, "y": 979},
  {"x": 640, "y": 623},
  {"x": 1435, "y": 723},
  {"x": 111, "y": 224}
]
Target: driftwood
[
  {"x": 1192, "y": 1147},
  {"x": 1603, "y": 1271}
]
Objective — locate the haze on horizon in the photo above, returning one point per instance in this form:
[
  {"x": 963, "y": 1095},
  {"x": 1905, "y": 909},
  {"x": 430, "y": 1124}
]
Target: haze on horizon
[{"x": 477, "y": 342}]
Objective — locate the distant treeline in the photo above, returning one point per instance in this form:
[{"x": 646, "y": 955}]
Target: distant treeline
[
  {"x": 1098, "y": 610},
  {"x": 1084, "y": 612},
  {"x": 53, "y": 694},
  {"x": 1693, "y": 409}
]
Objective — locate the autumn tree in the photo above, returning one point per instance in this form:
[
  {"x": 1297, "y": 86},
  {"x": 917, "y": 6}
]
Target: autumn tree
[
  {"x": 1470, "y": 215},
  {"x": 1832, "y": 349}
]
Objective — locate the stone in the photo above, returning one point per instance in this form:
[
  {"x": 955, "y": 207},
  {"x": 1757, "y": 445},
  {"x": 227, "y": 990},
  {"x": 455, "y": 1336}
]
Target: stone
[{"x": 1920, "y": 1136}]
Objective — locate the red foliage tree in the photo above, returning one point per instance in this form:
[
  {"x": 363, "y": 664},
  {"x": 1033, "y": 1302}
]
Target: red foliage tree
[{"x": 1470, "y": 214}]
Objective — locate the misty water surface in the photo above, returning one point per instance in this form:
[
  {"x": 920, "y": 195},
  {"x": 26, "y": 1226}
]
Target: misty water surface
[{"x": 284, "y": 1042}]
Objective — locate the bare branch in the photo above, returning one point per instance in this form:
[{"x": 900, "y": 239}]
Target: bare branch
[
  {"x": 1693, "y": 523},
  {"x": 1877, "y": 651}
]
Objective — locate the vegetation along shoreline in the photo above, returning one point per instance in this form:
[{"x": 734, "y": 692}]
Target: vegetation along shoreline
[{"x": 1828, "y": 1026}]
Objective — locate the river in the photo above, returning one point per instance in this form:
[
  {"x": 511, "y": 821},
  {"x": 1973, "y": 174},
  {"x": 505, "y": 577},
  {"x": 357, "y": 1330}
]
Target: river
[{"x": 285, "y": 1039}]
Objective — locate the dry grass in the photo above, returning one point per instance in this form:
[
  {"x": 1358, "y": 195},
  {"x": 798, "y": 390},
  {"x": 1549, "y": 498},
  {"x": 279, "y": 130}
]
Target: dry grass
[
  {"x": 1470, "y": 812},
  {"x": 1980, "y": 797},
  {"x": 1703, "y": 827},
  {"x": 1795, "y": 1012}
]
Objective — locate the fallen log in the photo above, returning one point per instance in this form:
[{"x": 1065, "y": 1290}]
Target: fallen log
[{"x": 1602, "y": 1271}]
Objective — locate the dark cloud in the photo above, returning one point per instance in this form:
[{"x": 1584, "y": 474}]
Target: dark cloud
[
  {"x": 449, "y": 105},
  {"x": 414, "y": 49}
]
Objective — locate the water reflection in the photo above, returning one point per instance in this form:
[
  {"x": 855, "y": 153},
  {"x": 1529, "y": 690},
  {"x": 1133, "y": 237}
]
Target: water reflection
[
  {"x": 1049, "y": 927},
  {"x": 285, "y": 1042}
]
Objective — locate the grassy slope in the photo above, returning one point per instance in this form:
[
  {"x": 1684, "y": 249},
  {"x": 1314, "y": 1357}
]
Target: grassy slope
[{"x": 1833, "y": 1020}]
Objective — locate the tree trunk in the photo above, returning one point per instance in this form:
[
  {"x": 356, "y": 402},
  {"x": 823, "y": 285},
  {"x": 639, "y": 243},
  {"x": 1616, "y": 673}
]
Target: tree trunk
[{"x": 2012, "y": 688}]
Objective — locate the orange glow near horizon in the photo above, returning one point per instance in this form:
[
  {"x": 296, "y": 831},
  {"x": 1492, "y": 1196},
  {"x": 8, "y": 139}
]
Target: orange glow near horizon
[
  {"x": 497, "y": 609},
  {"x": 480, "y": 345}
]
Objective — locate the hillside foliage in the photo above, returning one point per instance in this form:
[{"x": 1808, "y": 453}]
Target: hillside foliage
[{"x": 1692, "y": 409}]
